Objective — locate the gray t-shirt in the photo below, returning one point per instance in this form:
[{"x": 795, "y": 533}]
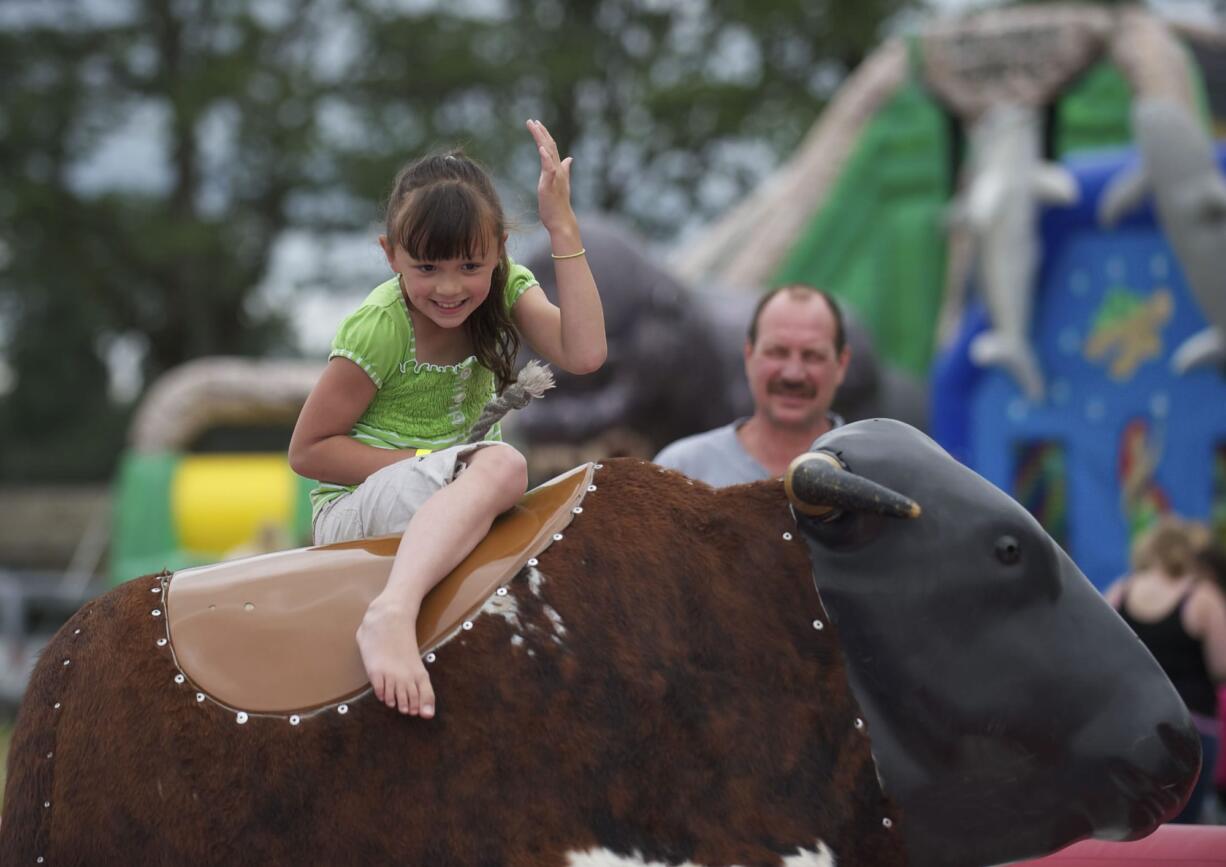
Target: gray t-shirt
[{"x": 717, "y": 456}]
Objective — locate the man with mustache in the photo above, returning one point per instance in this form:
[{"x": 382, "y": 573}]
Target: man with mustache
[{"x": 795, "y": 358}]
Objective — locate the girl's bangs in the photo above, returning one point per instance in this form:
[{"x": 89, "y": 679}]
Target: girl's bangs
[{"x": 445, "y": 221}]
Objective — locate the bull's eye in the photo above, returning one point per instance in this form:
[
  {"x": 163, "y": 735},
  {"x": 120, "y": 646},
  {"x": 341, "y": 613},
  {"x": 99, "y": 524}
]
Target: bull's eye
[{"x": 1008, "y": 551}]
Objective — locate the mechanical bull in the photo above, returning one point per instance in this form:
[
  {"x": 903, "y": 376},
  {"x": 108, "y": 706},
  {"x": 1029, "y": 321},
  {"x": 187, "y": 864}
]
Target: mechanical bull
[{"x": 663, "y": 685}]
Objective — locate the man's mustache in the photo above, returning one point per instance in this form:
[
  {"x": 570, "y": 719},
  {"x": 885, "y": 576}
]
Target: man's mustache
[{"x": 788, "y": 388}]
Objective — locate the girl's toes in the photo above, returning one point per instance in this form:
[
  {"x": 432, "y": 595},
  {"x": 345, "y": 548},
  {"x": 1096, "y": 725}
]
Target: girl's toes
[{"x": 427, "y": 698}]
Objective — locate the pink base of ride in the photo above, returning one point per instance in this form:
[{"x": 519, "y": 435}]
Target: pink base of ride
[{"x": 1169, "y": 846}]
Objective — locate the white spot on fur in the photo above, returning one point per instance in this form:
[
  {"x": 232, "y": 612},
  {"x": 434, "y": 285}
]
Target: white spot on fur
[
  {"x": 818, "y": 857},
  {"x": 535, "y": 580},
  {"x": 517, "y": 640},
  {"x": 504, "y": 607},
  {"x": 556, "y": 619},
  {"x": 498, "y": 606}
]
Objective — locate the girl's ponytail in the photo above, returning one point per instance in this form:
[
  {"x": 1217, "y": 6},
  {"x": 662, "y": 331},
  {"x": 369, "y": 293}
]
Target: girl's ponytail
[{"x": 494, "y": 336}]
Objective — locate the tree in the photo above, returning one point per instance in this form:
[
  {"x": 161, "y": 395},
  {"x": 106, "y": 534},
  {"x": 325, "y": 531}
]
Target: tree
[
  {"x": 228, "y": 99},
  {"x": 671, "y": 109},
  {"x": 255, "y": 117}
]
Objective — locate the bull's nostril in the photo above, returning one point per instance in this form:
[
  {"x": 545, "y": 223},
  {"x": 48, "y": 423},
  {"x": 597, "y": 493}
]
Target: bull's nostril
[
  {"x": 1183, "y": 743},
  {"x": 1008, "y": 551}
]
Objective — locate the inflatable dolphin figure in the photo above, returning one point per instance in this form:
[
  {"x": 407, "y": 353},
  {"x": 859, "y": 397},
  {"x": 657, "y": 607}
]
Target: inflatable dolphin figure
[
  {"x": 1008, "y": 181},
  {"x": 1178, "y": 167}
]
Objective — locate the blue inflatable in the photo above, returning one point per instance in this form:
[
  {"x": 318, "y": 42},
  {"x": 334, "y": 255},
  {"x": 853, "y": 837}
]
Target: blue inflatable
[{"x": 1119, "y": 438}]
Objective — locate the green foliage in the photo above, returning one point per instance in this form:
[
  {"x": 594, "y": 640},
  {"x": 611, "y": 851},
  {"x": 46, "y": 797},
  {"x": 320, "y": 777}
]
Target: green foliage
[
  {"x": 671, "y": 109},
  {"x": 171, "y": 252},
  {"x": 6, "y": 737},
  {"x": 249, "y": 119}
]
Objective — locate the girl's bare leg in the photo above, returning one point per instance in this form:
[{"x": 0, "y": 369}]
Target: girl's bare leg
[{"x": 440, "y": 534}]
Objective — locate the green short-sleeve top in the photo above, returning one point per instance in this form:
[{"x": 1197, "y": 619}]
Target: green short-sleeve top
[{"x": 417, "y": 405}]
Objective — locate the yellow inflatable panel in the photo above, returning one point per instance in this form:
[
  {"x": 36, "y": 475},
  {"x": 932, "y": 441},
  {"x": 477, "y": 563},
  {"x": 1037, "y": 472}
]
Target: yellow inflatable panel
[{"x": 220, "y": 502}]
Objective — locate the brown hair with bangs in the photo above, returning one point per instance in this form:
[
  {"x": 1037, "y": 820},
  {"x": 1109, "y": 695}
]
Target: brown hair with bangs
[{"x": 444, "y": 206}]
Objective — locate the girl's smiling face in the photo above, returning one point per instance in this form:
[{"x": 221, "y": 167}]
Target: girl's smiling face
[{"x": 446, "y": 291}]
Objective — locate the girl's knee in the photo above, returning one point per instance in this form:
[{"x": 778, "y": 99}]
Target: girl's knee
[{"x": 504, "y": 469}]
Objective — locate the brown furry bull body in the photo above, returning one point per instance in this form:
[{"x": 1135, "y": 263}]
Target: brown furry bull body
[{"x": 686, "y": 710}]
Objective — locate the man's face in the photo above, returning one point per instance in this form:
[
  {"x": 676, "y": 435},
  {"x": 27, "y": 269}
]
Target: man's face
[{"x": 793, "y": 369}]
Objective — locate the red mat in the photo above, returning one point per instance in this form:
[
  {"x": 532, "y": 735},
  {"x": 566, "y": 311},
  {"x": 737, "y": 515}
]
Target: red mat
[{"x": 1177, "y": 845}]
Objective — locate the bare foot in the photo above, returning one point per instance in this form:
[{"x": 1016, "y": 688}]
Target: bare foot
[{"x": 387, "y": 641}]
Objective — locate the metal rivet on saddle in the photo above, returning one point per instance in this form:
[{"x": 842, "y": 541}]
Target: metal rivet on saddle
[
  {"x": 241, "y": 717},
  {"x": 343, "y": 709},
  {"x": 180, "y": 679}
]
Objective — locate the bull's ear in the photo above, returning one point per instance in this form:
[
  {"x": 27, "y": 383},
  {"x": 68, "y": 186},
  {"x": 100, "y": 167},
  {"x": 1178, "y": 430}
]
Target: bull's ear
[{"x": 818, "y": 485}]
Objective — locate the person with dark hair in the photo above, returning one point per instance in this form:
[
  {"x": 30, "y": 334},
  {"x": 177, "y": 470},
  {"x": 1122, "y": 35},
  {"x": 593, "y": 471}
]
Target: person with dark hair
[
  {"x": 410, "y": 371},
  {"x": 796, "y": 356},
  {"x": 1180, "y": 616}
]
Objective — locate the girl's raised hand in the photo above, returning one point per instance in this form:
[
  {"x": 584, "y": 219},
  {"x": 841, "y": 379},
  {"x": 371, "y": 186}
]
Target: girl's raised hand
[{"x": 553, "y": 189}]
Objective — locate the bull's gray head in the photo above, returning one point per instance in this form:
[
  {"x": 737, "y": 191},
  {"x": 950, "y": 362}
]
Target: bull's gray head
[{"x": 1011, "y": 710}]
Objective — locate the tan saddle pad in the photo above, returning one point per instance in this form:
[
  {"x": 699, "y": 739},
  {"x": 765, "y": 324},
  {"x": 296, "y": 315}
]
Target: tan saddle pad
[{"x": 274, "y": 633}]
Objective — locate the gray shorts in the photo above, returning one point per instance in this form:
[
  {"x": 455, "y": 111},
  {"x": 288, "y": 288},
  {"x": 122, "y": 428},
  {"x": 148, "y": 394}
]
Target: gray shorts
[{"x": 384, "y": 503}]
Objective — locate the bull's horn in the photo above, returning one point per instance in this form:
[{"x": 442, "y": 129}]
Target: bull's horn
[{"x": 817, "y": 485}]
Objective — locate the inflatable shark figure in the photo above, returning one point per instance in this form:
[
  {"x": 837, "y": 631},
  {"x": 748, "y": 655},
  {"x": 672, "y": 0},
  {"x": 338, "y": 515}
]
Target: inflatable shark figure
[
  {"x": 1178, "y": 167},
  {"x": 1007, "y": 183}
]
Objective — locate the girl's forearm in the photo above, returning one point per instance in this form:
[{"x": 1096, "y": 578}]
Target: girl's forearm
[
  {"x": 582, "y": 327},
  {"x": 343, "y": 460}
]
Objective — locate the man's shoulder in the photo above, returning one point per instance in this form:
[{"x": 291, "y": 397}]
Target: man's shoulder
[
  {"x": 715, "y": 457},
  {"x": 695, "y": 445}
]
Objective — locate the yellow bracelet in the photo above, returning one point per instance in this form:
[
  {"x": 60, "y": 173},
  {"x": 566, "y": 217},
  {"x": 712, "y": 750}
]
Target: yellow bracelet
[{"x": 570, "y": 255}]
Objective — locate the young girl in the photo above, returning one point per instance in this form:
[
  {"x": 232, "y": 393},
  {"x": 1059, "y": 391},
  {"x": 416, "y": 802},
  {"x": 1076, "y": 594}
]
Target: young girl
[{"x": 409, "y": 373}]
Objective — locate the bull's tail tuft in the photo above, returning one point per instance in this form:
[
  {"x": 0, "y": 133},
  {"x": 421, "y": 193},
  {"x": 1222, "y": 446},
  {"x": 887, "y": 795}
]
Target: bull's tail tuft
[{"x": 533, "y": 381}]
